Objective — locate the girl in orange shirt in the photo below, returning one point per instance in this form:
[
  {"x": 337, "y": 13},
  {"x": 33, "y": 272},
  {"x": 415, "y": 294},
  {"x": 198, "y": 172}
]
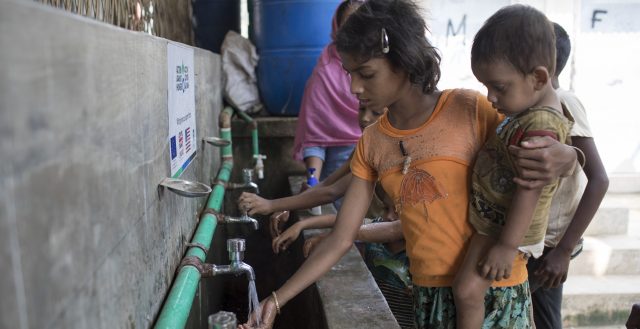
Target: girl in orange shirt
[{"x": 420, "y": 151}]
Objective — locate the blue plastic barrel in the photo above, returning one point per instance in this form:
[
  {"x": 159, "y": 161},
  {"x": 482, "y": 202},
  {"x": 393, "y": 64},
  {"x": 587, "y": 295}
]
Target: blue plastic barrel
[
  {"x": 289, "y": 36},
  {"x": 212, "y": 19}
]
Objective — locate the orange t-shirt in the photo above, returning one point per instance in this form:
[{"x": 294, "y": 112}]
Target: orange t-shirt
[{"x": 432, "y": 198}]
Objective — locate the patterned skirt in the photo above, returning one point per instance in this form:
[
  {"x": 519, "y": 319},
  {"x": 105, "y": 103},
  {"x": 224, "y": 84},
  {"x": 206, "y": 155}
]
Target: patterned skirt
[
  {"x": 505, "y": 307},
  {"x": 391, "y": 273}
]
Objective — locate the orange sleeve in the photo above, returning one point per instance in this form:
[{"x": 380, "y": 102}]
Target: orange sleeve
[
  {"x": 359, "y": 165},
  {"x": 488, "y": 118}
]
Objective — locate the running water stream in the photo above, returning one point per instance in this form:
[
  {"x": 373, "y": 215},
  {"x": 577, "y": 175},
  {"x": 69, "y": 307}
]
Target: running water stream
[{"x": 254, "y": 303}]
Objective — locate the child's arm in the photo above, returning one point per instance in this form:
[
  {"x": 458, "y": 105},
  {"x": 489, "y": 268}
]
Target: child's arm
[
  {"x": 381, "y": 232},
  {"x": 555, "y": 265},
  {"x": 356, "y": 202},
  {"x": 311, "y": 243},
  {"x": 282, "y": 242},
  {"x": 318, "y": 195},
  {"x": 496, "y": 265}
]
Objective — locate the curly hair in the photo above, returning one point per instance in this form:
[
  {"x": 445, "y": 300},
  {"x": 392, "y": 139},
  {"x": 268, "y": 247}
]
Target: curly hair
[
  {"x": 409, "y": 50},
  {"x": 342, "y": 7}
]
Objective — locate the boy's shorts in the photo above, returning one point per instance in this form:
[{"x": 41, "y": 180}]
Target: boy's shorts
[
  {"x": 332, "y": 157},
  {"x": 505, "y": 307}
]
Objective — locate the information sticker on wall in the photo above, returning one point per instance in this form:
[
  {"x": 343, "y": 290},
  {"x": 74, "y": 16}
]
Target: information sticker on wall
[{"x": 182, "y": 107}]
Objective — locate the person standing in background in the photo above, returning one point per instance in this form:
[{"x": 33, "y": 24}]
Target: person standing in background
[
  {"x": 327, "y": 129},
  {"x": 572, "y": 207},
  {"x": 634, "y": 317}
]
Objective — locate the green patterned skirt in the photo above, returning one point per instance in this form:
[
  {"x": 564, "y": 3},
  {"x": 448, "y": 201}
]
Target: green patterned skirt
[
  {"x": 505, "y": 307},
  {"x": 391, "y": 272}
]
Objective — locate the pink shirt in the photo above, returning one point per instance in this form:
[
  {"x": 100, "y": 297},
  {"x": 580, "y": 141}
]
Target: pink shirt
[{"x": 329, "y": 111}]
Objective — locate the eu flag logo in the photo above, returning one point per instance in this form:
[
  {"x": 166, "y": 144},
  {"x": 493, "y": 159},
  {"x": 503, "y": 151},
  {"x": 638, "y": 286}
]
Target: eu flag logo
[{"x": 174, "y": 153}]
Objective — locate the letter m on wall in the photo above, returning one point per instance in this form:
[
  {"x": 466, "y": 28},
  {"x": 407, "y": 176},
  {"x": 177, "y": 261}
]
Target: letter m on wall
[{"x": 461, "y": 27}]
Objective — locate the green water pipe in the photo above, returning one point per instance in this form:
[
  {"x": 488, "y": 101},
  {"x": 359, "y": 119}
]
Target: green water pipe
[
  {"x": 259, "y": 167},
  {"x": 176, "y": 309},
  {"x": 225, "y": 133},
  {"x": 254, "y": 131}
]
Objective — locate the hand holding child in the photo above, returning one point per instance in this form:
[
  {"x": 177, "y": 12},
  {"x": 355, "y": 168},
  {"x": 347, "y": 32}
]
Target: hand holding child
[
  {"x": 497, "y": 264},
  {"x": 541, "y": 160},
  {"x": 554, "y": 268}
]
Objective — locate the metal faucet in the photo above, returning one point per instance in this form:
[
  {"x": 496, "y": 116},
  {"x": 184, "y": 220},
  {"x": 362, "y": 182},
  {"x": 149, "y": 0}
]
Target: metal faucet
[
  {"x": 247, "y": 178},
  {"x": 260, "y": 164},
  {"x": 242, "y": 219},
  {"x": 236, "y": 248}
]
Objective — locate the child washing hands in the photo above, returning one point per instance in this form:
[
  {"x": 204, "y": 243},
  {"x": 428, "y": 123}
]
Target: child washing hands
[
  {"x": 384, "y": 229},
  {"x": 327, "y": 191}
]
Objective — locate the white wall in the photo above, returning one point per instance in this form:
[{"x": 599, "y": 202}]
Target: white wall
[{"x": 603, "y": 69}]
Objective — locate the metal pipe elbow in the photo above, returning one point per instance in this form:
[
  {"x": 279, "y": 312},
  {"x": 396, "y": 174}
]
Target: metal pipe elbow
[
  {"x": 246, "y": 268},
  {"x": 254, "y": 223}
]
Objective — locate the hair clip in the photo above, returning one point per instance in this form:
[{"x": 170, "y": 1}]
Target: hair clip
[{"x": 384, "y": 40}]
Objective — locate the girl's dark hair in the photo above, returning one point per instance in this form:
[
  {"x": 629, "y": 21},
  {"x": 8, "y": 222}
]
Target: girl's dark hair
[
  {"x": 519, "y": 34},
  {"x": 342, "y": 7},
  {"x": 409, "y": 49}
]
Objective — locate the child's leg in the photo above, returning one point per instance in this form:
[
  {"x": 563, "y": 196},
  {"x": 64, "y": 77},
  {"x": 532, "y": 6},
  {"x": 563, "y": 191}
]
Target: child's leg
[
  {"x": 314, "y": 162},
  {"x": 314, "y": 158},
  {"x": 336, "y": 156},
  {"x": 469, "y": 287}
]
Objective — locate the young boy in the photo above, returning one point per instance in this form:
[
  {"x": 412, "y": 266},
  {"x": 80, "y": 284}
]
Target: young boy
[
  {"x": 571, "y": 210},
  {"x": 513, "y": 55}
]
